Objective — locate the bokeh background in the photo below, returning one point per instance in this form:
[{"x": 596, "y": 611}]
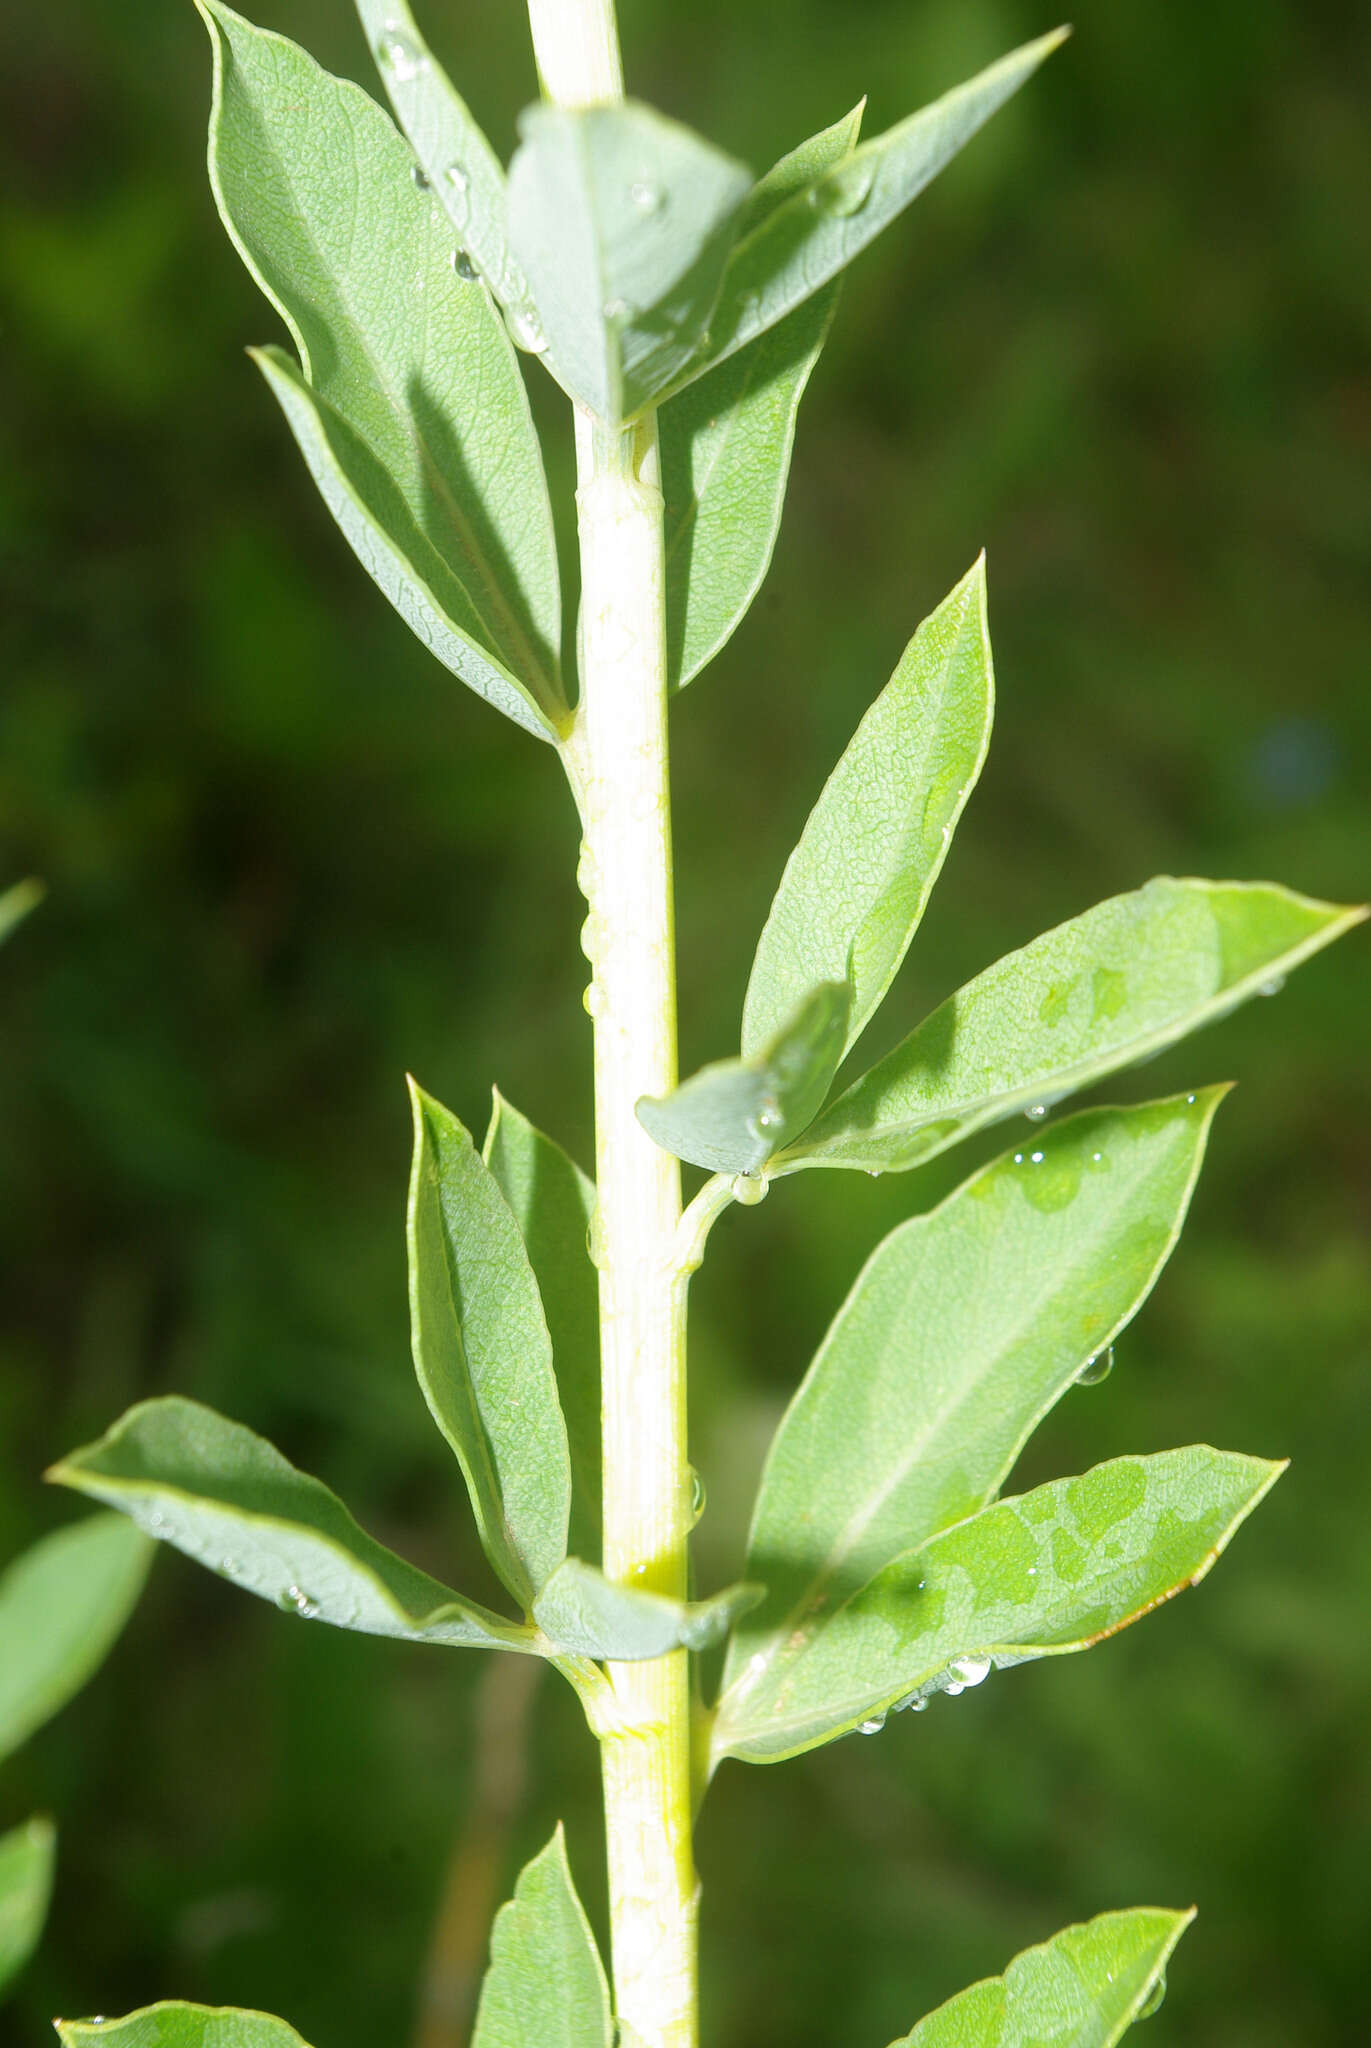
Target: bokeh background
[{"x": 1122, "y": 344}]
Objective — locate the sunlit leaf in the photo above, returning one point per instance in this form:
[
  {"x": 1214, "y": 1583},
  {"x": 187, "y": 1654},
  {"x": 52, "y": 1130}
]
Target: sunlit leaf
[
  {"x": 621, "y": 221},
  {"x": 553, "y": 1203},
  {"x": 583, "y": 1613},
  {"x": 229, "y": 1499},
  {"x": 1082, "y": 1989},
  {"x": 732, "y": 1116},
  {"x": 855, "y": 887},
  {"x": 62, "y": 1604},
  {"x": 482, "y": 1351},
  {"x": 409, "y": 407},
  {"x": 1102, "y": 992},
  {"x": 963, "y": 1329},
  {"x": 545, "y": 1987},
  {"x": 1050, "y": 1572},
  {"x": 16, "y": 903},
  {"x": 173, "y": 2025}
]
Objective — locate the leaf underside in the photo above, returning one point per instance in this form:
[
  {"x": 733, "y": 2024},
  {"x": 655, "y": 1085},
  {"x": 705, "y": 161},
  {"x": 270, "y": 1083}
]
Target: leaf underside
[{"x": 545, "y": 1987}]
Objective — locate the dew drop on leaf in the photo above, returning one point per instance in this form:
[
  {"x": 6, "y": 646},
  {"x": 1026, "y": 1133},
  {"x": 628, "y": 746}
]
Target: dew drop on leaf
[
  {"x": 616, "y": 311},
  {"x": 697, "y": 1496},
  {"x": 230, "y": 1567},
  {"x": 748, "y": 1189},
  {"x": 1268, "y": 988},
  {"x": 422, "y": 181},
  {"x": 296, "y": 1601},
  {"x": 873, "y": 1726},
  {"x": 397, "y": 55},
  {"x": 456, "y": 177},
  {"x": 1097, "y": 1368},
  {"x": 527, "y": 331},
  {"x": 647, "y": 197},
  {"x": 464, "y": 266},
  {"x": 1036, "y": 1114},
  {"x": 968, "y": 1671},
  {"x": 1153, "y": 2002},
  {"x": 844, "y": 192}
]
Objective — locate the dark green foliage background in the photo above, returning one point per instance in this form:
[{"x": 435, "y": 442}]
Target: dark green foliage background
[{"x": 1124, "y": 345}]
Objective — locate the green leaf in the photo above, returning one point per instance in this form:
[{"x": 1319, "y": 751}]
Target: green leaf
[
  {"x": 732, "y": 1116},
  {"x": 963, "y": 1329},
  {"x": 1084, "y": 1988},
  {"x": 411, "y": 411},
  {"x": 27, "y": 1855},
  {"x": 174, "y": 2025},
  {"x": 482, "y": 1351},
  {"x": 16, "y": 903},
  {"x": 799, "y": 167},
  {"x": 1050, "y": 1572},
  {"x": 621, "y": 220},
  {"x": 463, "y": 170},
  {"x": 62, "y": 1604},
  {"x": 581, "y": 1612},
  {"x": 855, "y": 887},
  {"x": 545, "y": 1987},
  {"x": 1102, "y": 992},
  {"x": 229, "y": 1499},
  {"x": 553, "y": 1203},
  {"x": 726, "y": 444},
  {"x": 794, "y": 249}
]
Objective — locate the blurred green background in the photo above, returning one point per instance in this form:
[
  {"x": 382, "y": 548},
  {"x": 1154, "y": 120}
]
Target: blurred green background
[{"x": 1123, "y": 344}]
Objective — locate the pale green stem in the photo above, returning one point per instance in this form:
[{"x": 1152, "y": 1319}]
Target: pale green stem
[{"x": 616, "y": 757}]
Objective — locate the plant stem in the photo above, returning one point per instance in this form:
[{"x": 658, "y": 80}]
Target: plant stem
[{"x": 616, "y": 757}]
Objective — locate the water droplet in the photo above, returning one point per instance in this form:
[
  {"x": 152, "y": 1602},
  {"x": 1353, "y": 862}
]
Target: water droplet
[
  {"x": 527, "y": 330},
  {"x": 230, "y": 1567},
  {"x": 1018, "y": 1158},
  {"x": 1036, "y": 1158},
  {"x": 969, "y": 1671},
  {"x": 873, "y": 1726},
  {"x": 844, "y": 192},
  {"x": 397, "y": 55},
  {"x": 616, "y": 311},
  {"x": 456, "y": 177},
  {"x": 1153, "y": 2001},
  {"x": 919, "y": 1706},
  {"x": 1097, "y": 1158},
  {"x": 749, "y": 1189},
  {"x": 1189, "y": 1098},
  {"x": 593, "y": 1001},
  {"x": 594, "y": 1237},
  {"x": 1269, "y": 988},
  {"x": 296, "y": 1601},
  {"x": 422, "y": 180},
  {"x": 697, "y": 1496},
  {"x": 1036, "y": 1114},
  {"x": 647, "y": 197},
  {"x": 872, "y": 1172},
  {"x": 464, "y": 266},
  {"x": 1097, "y": 1368}
]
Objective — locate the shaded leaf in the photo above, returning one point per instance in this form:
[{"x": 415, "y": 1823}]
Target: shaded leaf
[
  {"x": 174, "y": 2025},
  {"x": 726, "y": 443},
  {"x": 732, "y": 1116},
  {"x": 1050, "y": 1572},
  {"x": 855, "y": 887},
  {"x": 482, "y": 1351},
  {"x": 553, "y": 1203},
  {"x": 583, "y": 1613},
  {"x": 963, "y": 1329},
  {"x": 621, "y": 221},
  {"x": 1085, "y": 1987},
  {"x": 16, "y": 903},
  {"x": 62, "y": 1604},
  {"x": 545, "y": 1987},
  {"x": 411, "y": 411},
  {"x": 462, "y": 169},
  {"x": 229, "y": 1499},
  {"x": 1101, "y": 992},
  {"x": 27, "y": 1856},
  {"x": 795, "y": 248}
]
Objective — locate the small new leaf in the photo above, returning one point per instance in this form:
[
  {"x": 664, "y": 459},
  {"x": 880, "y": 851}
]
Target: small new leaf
[
  {"x": 621, "y": 220},
  {"x": 1050, "y": 1572},
  {"x": 583, "y": 1614},
  {"x": 229, "y": 1499},
  {"x": 1086, "y": 1986},
  {"x": 62, "y": 1604},
  {"x": 1104, "y": 991},
  {"x": 963, "y": 1329},
  {"x": 726, "y": 442},
  {"x": 553, "y": 1203},
  {"x": 545, "y": 1987},
  {"x": 409, "y": 407},
  {"x": 794, "y": 248},
  {"x": 732, "y": 1116},
  {"x": 27, "y": 1856},
  {"x": 855, "y": 887},
  {"x": 482, "y": 1351},
  {"x": 174, "y": 2025}
]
